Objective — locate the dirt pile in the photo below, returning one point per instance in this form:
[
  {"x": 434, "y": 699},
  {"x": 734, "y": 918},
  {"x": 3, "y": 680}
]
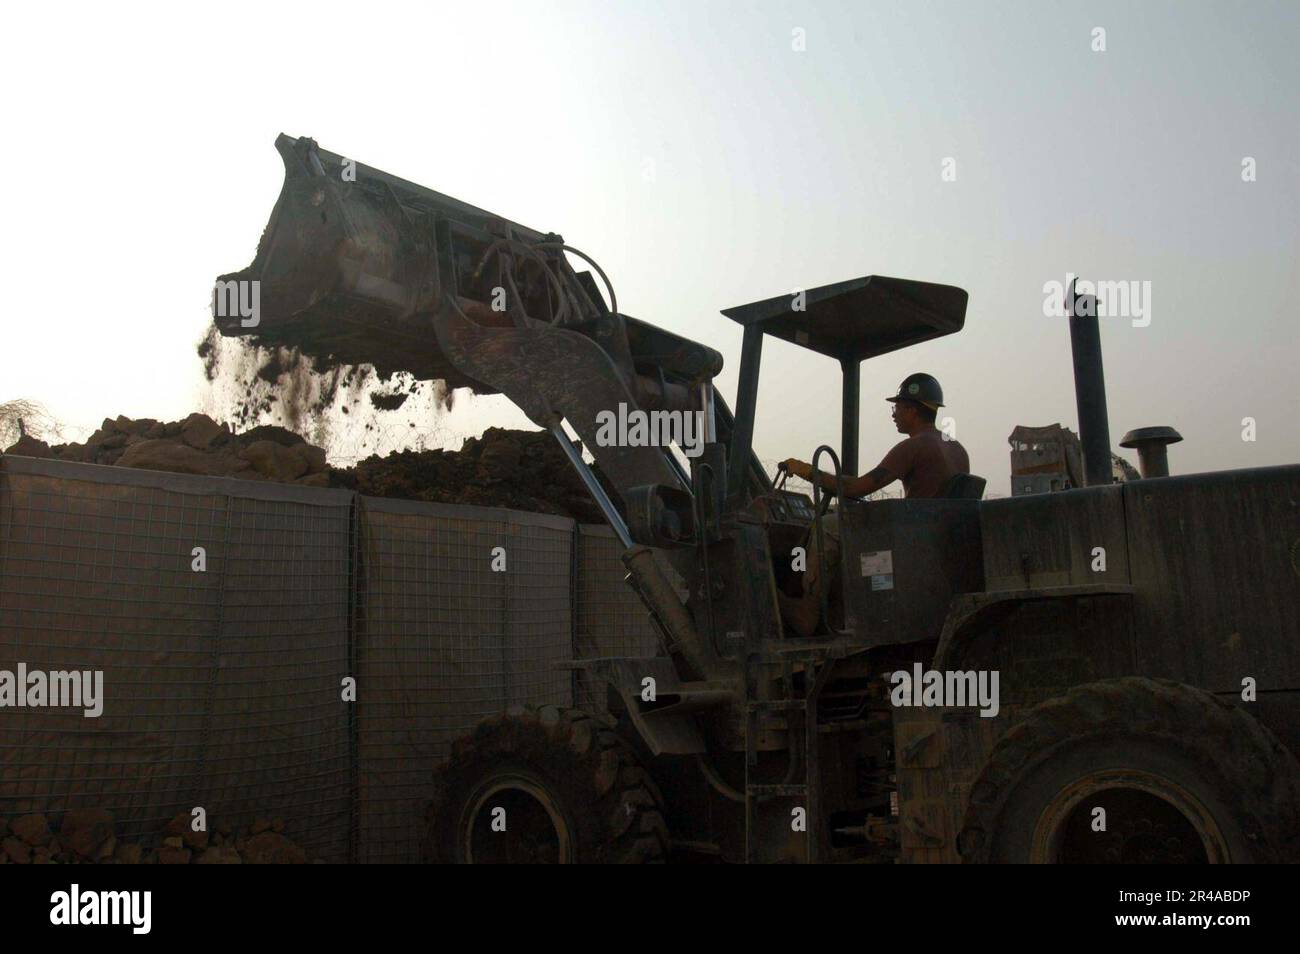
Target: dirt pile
[
  {"x": 522, "y": 470},
  {"x": 85, "y": 836},
  {"x": 196, "y": 445}
]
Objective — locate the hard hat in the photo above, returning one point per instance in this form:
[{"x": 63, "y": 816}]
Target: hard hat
[{"x": 921, "y": 388}]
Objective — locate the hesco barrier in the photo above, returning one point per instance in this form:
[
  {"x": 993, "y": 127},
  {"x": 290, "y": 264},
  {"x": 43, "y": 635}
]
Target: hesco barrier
[{"x": 223, "y": 688}]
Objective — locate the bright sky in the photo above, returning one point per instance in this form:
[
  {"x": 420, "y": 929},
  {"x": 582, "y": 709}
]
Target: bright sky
[{"x": 704, "y": 162}]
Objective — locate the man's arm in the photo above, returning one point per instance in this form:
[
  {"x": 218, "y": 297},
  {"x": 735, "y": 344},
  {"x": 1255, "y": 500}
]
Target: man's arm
[{"x": 868, "y": 483}]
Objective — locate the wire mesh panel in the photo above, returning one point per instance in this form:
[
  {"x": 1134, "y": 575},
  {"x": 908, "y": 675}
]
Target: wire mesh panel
[
  {"x": 96, "y": 578},
  {"x": 463, "y": 612},
  {"x": 220, "y": 678},
  {"x": 276, "y": 738},
  {"x": 222, "y": 683},
  {"x": 611, "y": 620}
]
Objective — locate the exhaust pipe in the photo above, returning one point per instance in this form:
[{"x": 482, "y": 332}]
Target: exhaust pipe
[
  {"x": 1153, "y": 458},
  {"x": 1089, "y": 388}
]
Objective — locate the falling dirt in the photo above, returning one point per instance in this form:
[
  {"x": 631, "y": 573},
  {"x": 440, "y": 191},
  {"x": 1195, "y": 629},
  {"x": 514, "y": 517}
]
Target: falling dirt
[
  {"x": 349, "y": 410},
  {"x": 250, "y": 381},
  {"x": 208, "y": 353},
  {"x": 388, "y": 402}
]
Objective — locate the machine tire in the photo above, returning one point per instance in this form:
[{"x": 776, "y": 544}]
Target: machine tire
[
  {"x": 1180, "y": 752},
  {"x": 562, "y": 768}
]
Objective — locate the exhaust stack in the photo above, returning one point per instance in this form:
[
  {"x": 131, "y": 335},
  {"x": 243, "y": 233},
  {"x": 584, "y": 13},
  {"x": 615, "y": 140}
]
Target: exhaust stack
[
  {"x": 1089, "y": 387},
  {"x": 1153, "y": 459}
]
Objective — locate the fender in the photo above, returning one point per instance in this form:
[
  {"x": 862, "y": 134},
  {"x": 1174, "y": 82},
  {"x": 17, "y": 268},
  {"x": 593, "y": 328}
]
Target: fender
[{"x": 967, "y": 609}]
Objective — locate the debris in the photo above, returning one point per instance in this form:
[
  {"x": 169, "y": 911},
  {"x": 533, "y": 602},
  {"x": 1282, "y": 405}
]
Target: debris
[
  {"x": 16, "y": 850},
  {"x": 181, "y": 827},
  {"x": 86, "y": 836},
  {"x": 33, "y": 829},
  {"x": 127, "y": 854},
  {"x": 521, "y": 470},
  {"x": 274, "y": 461},
  {"x": 388, "y": 402},
  {"x": 199, "y": 431},
  {"x": 84, "y": 830},
  {"x": 178, "y": 458},
  {"x": 269, "y": 848},
  {"x": 219, "y": 855}
]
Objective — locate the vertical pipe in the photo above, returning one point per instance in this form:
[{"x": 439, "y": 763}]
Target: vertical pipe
[
  {"x": 849, "y": 412},
  {"x": 1152, "y": 447},
  {"x": 575, "y": 610},
  {"x": 1153, "y": 459},
  {"x": 593, "y": 486},
  {"x": 742, "y": 435},
  {"x": 710, "y": 418},
  {"x": 356, "y": 617},
  {"x": 1089, "y": 388}
]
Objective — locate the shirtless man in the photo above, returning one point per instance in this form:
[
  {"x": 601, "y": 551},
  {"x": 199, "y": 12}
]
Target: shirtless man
[{"x": 925, "y": 461}]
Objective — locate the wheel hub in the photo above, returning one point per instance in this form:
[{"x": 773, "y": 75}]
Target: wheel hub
[
  {"x": 1149, "y": 820},
  {"x": 514, "y": 820}
]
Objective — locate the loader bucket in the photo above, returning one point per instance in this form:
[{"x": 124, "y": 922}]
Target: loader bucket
[{"x": 347, "y": 269}]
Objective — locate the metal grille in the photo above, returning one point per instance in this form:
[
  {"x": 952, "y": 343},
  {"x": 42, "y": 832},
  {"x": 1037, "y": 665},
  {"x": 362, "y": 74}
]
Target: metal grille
[
  {"x": 446, "y": 641},
  {"x": 221, "y": 688}
]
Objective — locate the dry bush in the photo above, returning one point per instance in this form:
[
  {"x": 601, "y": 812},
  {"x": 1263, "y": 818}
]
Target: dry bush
[{"x": 20, "y": 416}]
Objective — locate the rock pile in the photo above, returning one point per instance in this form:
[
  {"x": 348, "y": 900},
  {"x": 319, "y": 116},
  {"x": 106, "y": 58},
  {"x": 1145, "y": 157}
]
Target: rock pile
[
  {"x": 196, "y": 445},
  {"x": 522, "y": 470},
  {"x": 85, "y": 836}
]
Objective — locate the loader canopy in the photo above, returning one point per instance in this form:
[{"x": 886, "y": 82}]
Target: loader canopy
[
  {"x": 847, "y": 321},
  {"x": 860, "y": 318}
]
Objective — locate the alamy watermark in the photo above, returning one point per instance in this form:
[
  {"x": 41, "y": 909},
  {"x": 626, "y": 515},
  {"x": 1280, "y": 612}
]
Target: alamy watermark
[
  {"x": 77, "y": 907},
  {"x": 637, "y": 428},
  {"x": 931, "y": 688},
  {"x": 242, "y": 300},
  {"x": 1114, "y": 299},
  {"x": 57, "y": 689}
]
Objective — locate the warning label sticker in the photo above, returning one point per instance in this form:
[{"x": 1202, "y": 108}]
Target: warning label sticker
[
  {"x": 880, "y": 563},
  {"x": 882, "y": 582}
]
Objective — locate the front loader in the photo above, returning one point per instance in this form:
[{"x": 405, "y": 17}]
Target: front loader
[{"x": 739, "y": 740}]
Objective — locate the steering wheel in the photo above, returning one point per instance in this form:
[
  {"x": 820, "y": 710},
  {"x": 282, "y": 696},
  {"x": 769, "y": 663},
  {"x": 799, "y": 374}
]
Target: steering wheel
[
  {"x": 825, "y": 504},
  {"x": 778, "y": 483}
]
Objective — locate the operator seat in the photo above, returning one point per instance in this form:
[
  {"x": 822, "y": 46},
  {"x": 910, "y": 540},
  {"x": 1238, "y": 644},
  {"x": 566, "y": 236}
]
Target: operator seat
[{"x": 964, "y": 487}]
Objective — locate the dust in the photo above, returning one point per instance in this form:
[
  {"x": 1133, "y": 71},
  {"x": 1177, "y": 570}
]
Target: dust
[{"x": 350, "y": 410}]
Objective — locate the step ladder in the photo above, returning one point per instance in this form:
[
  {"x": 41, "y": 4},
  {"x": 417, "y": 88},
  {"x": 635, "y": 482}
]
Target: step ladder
[{"x": 800, "y": 710}]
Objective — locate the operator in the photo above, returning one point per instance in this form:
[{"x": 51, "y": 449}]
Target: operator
[{"x": 925, "y": 461}]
